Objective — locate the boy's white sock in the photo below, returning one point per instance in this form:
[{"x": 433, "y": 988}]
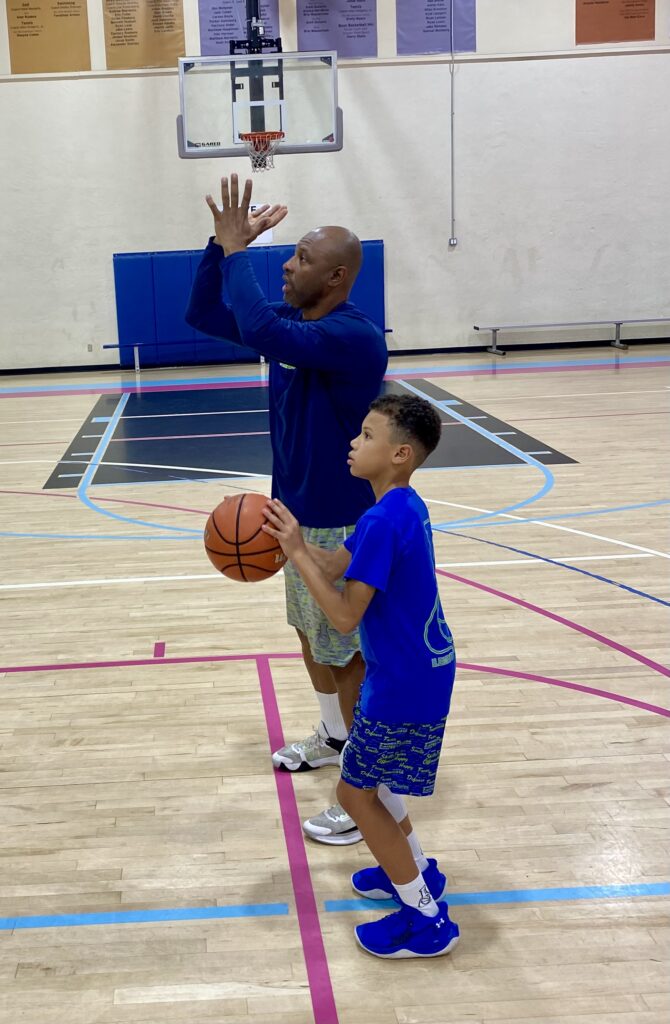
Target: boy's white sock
[
  {"x": 417, "y": 852},
  {"x": 331, "y": 716},
  {"x": 416, "y": 894}
]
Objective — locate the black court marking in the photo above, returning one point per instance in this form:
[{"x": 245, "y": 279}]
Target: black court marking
[
  {"x": 166, "y": 428},
  {"x": 461, "y": 447}
]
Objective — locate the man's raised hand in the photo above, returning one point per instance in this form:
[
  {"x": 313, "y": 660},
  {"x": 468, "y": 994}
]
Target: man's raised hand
[{"x": 235, "y": 226}]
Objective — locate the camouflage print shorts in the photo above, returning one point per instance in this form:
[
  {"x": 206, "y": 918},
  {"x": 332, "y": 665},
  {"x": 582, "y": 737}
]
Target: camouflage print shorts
[{"x": 328, "y": 647}]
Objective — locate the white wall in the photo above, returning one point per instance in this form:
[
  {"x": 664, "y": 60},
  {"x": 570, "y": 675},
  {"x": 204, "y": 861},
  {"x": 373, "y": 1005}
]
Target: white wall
[{"x": 562, "y": 204}]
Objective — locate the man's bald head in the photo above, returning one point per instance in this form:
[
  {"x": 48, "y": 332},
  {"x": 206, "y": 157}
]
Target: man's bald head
[{"x": 342, "y": 246}]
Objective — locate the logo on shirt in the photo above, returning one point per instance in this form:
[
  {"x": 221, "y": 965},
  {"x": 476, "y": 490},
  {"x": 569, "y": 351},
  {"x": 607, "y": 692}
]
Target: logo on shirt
[
  {"x": 437, "y": 637},
  {"x": 287, "y": 366}
]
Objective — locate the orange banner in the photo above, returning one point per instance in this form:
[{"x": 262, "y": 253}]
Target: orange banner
[
  {"x": 143, "y": 33},
  {"x": 48, "y": 35},
  {"x": 615, "y": 21}
]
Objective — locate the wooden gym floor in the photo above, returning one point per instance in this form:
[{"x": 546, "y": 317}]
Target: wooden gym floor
[{"x": 153, "y": 866}]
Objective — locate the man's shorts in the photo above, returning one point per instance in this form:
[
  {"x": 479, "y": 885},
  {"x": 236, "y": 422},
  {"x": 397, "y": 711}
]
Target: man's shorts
[
  {"x": 404, "y": 756},
  {"x": 328, "y": 646}
]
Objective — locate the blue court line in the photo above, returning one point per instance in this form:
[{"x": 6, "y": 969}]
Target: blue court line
[
  {"x": 143, "y": 916},
  {"x": 573, "y": 515},
  {"x": 501, "y": 443},
  {"x": 525, "y": 364},
  {"x": 460, "y": 899},
  {"x": 95, "y": 463},
  {"x": 101, "y": 419},
  {"x": 565, "y": 565}
]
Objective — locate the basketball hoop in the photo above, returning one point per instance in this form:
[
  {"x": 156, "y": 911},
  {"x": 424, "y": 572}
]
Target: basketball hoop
[{"x": 261, "y": 147}]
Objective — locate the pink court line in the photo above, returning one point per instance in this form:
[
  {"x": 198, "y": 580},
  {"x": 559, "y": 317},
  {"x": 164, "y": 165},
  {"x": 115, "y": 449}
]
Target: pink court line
[
  {"x": 635, "y": 655},
  {"x": 116, "y": 501},
  {"x": 593, "y": 416},
  {"x": 188, "y": 437},
  {"x": 316, "y": 961},
  {"x": 277, "y": 656},
  {"x": 400, "y": 375},
  {"x": 159, "y": 649}
]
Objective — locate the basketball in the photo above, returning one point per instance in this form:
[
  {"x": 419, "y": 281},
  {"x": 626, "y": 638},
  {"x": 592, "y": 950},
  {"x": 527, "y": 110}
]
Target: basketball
[{"x": 237, "y": 545}]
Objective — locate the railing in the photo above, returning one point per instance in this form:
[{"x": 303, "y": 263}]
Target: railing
[{"x": 616, "y": 324}]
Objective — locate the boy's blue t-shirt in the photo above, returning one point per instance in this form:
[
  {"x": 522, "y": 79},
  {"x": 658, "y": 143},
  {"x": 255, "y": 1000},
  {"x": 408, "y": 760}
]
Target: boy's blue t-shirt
[{"x": 407, "y": 645}]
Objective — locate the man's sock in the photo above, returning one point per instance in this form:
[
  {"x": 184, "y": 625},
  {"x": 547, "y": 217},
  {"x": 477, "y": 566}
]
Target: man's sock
[
  {"x": 331, "y": 716},
  {"x": 416, "y": 894}
]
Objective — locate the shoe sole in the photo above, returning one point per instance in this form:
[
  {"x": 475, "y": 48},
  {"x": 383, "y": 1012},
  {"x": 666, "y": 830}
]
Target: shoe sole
[
  {"x": 407, "y": 954},
  {"x": 303, "y": 766},
  {"x": 379, "y": 894},
  {"x": 346, "y": 839}
]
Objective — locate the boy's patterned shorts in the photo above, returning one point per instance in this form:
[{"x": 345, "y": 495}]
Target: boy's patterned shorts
[
  {"x": 328, "y": 647},
  {"x": 404, "y": 756}
]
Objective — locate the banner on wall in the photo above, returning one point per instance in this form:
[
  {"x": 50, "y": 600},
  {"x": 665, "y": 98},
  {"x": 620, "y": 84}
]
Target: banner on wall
[
  {"x": 223, "y": 20},
  {"x": 143, "y": 33},
  {"x": 615, "y": 21},
  {"x": 348, "y": 26},
  {"x": 48, "y": 36},
  {"x": 424, "y": 26}
]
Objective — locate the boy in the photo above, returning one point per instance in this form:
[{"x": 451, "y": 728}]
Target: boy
[{"x": 394, "y": 744}]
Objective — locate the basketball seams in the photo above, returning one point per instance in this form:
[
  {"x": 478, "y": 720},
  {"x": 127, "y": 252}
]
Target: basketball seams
[{"x": 237, "y": 538}]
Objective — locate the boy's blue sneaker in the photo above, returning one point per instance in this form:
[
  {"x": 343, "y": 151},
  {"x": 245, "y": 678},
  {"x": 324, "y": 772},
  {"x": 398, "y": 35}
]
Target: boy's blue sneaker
[
  {"x": 375, "y": 884},
  {"x": 409, "y": 933}
]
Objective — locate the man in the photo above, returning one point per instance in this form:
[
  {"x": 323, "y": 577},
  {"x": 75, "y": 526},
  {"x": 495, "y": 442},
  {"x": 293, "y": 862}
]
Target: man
[{"x": 327, "y": 363}]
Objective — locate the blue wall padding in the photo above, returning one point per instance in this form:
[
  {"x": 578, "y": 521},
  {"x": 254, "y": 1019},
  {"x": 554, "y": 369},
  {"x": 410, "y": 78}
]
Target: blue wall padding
[
  {"x": 135, "y": 315},
  {"x": 152, "y": 291}
]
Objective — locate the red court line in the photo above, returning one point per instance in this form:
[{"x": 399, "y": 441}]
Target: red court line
[
  {"x": 159, "y": 649},
  {"x": 316, "y": 961},
  {"x": 628, "y": 651},
  {"x": 116, "y": 501}
]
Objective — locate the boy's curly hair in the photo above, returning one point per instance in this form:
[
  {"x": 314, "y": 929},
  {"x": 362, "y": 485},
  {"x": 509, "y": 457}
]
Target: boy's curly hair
[{"x": 413, "y": 420}]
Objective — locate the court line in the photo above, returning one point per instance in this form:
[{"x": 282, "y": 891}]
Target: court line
[
  {"x": 142, "y": 916},
  {"x": 515, "y": 520},
  {"x": 578, "y": 892},
  {"x": 188, "y": 437},
  {"x": 112, "y": 580},
  {"x": 176, "y": 415},
  {"x": 196, "y": 659},
  {"x": 216, "y": 383},
  {"x": 565, "y": 565},
  {"x": 316, "y": 961},
  {"x": 526, "y": 457},
  {"x": 614, "y": 644},
  {"x": 444, "y": 527}
]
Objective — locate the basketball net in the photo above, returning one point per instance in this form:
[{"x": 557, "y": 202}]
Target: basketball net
[{"x": 261, "y": 147}]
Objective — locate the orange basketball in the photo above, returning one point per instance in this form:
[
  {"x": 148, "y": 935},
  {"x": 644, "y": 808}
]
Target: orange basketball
[{"x": 237, "y": 545}]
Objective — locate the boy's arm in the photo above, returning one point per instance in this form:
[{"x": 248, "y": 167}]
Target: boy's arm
[{"x": 343, "y": 609}]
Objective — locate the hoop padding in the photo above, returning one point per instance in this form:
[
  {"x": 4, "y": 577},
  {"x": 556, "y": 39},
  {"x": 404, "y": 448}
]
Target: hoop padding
[{"x": 261, "y": 147}]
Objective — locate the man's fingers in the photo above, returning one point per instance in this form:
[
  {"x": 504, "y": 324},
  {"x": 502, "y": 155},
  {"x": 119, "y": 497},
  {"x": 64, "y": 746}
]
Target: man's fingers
[
  {"x": 268, "y": 529},
  {"x": 225, "y": 196},
  {"x": 212, "y": 205},
  {"x": 246, "y": 196},
  {"x": 259, "y": 211},
  {"x": 234, "y": 192}
]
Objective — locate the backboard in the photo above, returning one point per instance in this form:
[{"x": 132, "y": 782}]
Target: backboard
[{"x": 221, "y": 97}]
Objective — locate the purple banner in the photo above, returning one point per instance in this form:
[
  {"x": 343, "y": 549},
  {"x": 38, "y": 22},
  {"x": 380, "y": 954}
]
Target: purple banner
[
  {"x": 348, "y": 26},
  {"x": 424, "y": 26},
  {"x": 223, "y": 20}
]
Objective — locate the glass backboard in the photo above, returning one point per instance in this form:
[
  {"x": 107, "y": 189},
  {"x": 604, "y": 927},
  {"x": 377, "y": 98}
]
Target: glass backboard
[{"x": 295, "y": 93}]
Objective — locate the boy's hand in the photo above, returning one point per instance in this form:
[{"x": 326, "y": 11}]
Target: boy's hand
[
  {"x": 285, "y": 527},
  {"x": 234, "y": 226}
]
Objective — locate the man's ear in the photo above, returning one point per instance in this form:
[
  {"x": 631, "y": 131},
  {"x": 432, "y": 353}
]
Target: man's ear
[{"x": 337, "y": 276}]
